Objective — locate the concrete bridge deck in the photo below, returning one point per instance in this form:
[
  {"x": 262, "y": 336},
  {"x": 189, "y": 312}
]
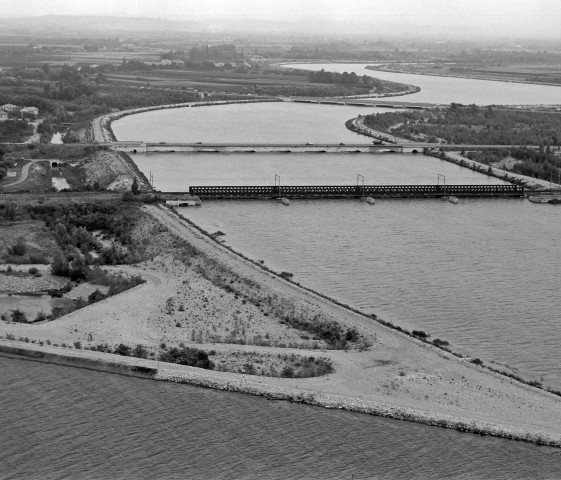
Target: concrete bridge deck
[
  {"x": 308, "y": 147},
  {"x": 368, "y": 102}
]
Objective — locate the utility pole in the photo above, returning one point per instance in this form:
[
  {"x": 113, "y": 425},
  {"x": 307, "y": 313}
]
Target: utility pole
[
  {"x": 443, "y": 181},
  {"x": 277, "y": 177},
  {"x": 358, "y": 178}
]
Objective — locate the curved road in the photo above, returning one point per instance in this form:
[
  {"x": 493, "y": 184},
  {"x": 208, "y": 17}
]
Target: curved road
[{"x": 23, "y": 175}]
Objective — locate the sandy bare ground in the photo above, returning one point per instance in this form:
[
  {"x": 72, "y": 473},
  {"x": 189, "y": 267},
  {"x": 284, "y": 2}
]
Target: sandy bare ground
[{"x": 398, "y": 372}]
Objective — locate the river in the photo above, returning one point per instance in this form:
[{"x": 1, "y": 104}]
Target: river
[
  {"x": 61, "y": 422},
  {"x": 283, "y": 122},
  {"x": 447, "y": 89},
  {"x": 481, "y": 274}
]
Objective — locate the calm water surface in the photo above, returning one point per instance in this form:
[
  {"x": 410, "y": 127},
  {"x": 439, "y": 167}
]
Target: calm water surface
[
  {"x": 281, "y": 122},
  {"x": 178, "y": 171},
  {"x": 482, "y": 274},
  {"x": 448, "y": 90},
  {"x": 61, "y": 422}
]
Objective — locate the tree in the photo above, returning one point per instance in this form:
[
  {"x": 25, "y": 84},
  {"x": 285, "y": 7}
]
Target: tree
[
  {"x": 60, "y": 266},
  {"x": 134, "y": 186}
]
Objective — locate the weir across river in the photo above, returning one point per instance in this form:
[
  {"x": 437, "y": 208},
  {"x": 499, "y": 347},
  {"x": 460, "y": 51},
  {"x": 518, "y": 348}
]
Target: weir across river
[{"x": 354, "y": 191}]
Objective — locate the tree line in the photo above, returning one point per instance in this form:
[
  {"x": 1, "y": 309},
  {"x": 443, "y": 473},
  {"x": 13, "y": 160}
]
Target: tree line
[
  {"x": 364, "y": 82},
  {"x": 515, "y": 129}
]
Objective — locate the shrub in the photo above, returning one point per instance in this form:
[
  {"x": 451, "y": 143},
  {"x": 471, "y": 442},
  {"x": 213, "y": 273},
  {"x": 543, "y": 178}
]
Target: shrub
[
  {"x": 140, "y": 351},
  {"x": 440, "y": 343},
  {"x": 96, "y": 296},
  {"x": 18, "y": 316},
  {"x": 193, "y": 357},
  {"x": 19, "y": 249},
  {"x": 287, "y": 372},
  {"x": 60, "y": 266},
  {"x": 33, "y": 271},
  {"x": 123, "y": 350}
]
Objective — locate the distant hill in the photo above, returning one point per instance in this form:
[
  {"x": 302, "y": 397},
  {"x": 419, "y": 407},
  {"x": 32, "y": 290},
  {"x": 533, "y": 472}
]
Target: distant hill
[{"x": 106, "y": 25}]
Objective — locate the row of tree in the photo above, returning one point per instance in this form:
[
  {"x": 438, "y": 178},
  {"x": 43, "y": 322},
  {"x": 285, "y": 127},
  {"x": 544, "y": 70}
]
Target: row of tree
[{"x": 365, "y": 82}]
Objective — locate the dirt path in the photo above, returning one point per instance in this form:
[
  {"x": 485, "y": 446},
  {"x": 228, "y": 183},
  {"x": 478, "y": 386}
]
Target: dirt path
[
  {"x": 398, "y": 375},
  {"x": 399, "y": 370},
  {"x": 23, "y": 175}
]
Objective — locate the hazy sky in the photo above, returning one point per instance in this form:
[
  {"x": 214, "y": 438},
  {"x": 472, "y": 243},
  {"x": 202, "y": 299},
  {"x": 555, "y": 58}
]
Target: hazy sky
[{"x": 523, "y": 17}]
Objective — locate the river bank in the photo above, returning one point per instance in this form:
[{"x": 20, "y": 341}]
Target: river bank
[
  {"x": 101, "y": 126},
  {"x": 116, "y": 170},
  {"x": 450, "y": 75},
  {"x": 397, "y": 376},
  {"x": 404, "y": 378},
  {"x": 357, "y": 125},
  {"x": 281, "y": 389}
]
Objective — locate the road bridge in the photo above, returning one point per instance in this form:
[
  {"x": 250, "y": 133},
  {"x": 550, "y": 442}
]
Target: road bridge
[
  {"x": 368, "y": 102},
  {"x": 308, "y": 147}
]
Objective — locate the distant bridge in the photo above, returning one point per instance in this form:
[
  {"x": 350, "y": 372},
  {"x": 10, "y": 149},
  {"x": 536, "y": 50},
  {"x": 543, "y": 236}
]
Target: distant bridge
[
  {"x": 308, "y": 147},
  {"x": 355, "y": 191},
  {"x": 367, "y": 102}
]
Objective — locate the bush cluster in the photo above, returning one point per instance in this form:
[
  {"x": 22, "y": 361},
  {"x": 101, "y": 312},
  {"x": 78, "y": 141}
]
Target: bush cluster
[{"x": 193, "y": 357}]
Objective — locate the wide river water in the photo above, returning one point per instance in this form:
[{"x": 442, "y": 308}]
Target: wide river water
[
  {"x": 67, "y": 423},
  {"x": 481, "y": 274},
  {"x": 447, "y": 90}
]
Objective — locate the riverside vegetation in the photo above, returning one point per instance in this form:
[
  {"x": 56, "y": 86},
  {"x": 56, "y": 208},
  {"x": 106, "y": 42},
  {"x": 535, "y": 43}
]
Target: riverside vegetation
[
  {"x": 475, "y": 125},
  {"x": 87, "y": 236}
]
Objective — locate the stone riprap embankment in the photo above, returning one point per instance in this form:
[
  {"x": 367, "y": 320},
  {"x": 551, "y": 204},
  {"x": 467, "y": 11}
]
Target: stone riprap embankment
[
  {"x": 357, "y": 125},
  {"x": 279, "y": 389}
]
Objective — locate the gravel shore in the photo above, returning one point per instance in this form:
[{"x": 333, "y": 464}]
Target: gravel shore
[{"x": 281, "y": 389}]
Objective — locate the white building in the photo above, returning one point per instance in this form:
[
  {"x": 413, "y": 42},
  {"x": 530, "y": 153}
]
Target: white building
[
  {"x": 8, "y": 107},
  {"x": 30, "y": 111}
]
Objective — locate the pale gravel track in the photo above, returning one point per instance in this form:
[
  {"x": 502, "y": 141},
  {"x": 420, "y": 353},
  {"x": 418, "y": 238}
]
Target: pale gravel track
[{"x": 399, "y": 376}]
